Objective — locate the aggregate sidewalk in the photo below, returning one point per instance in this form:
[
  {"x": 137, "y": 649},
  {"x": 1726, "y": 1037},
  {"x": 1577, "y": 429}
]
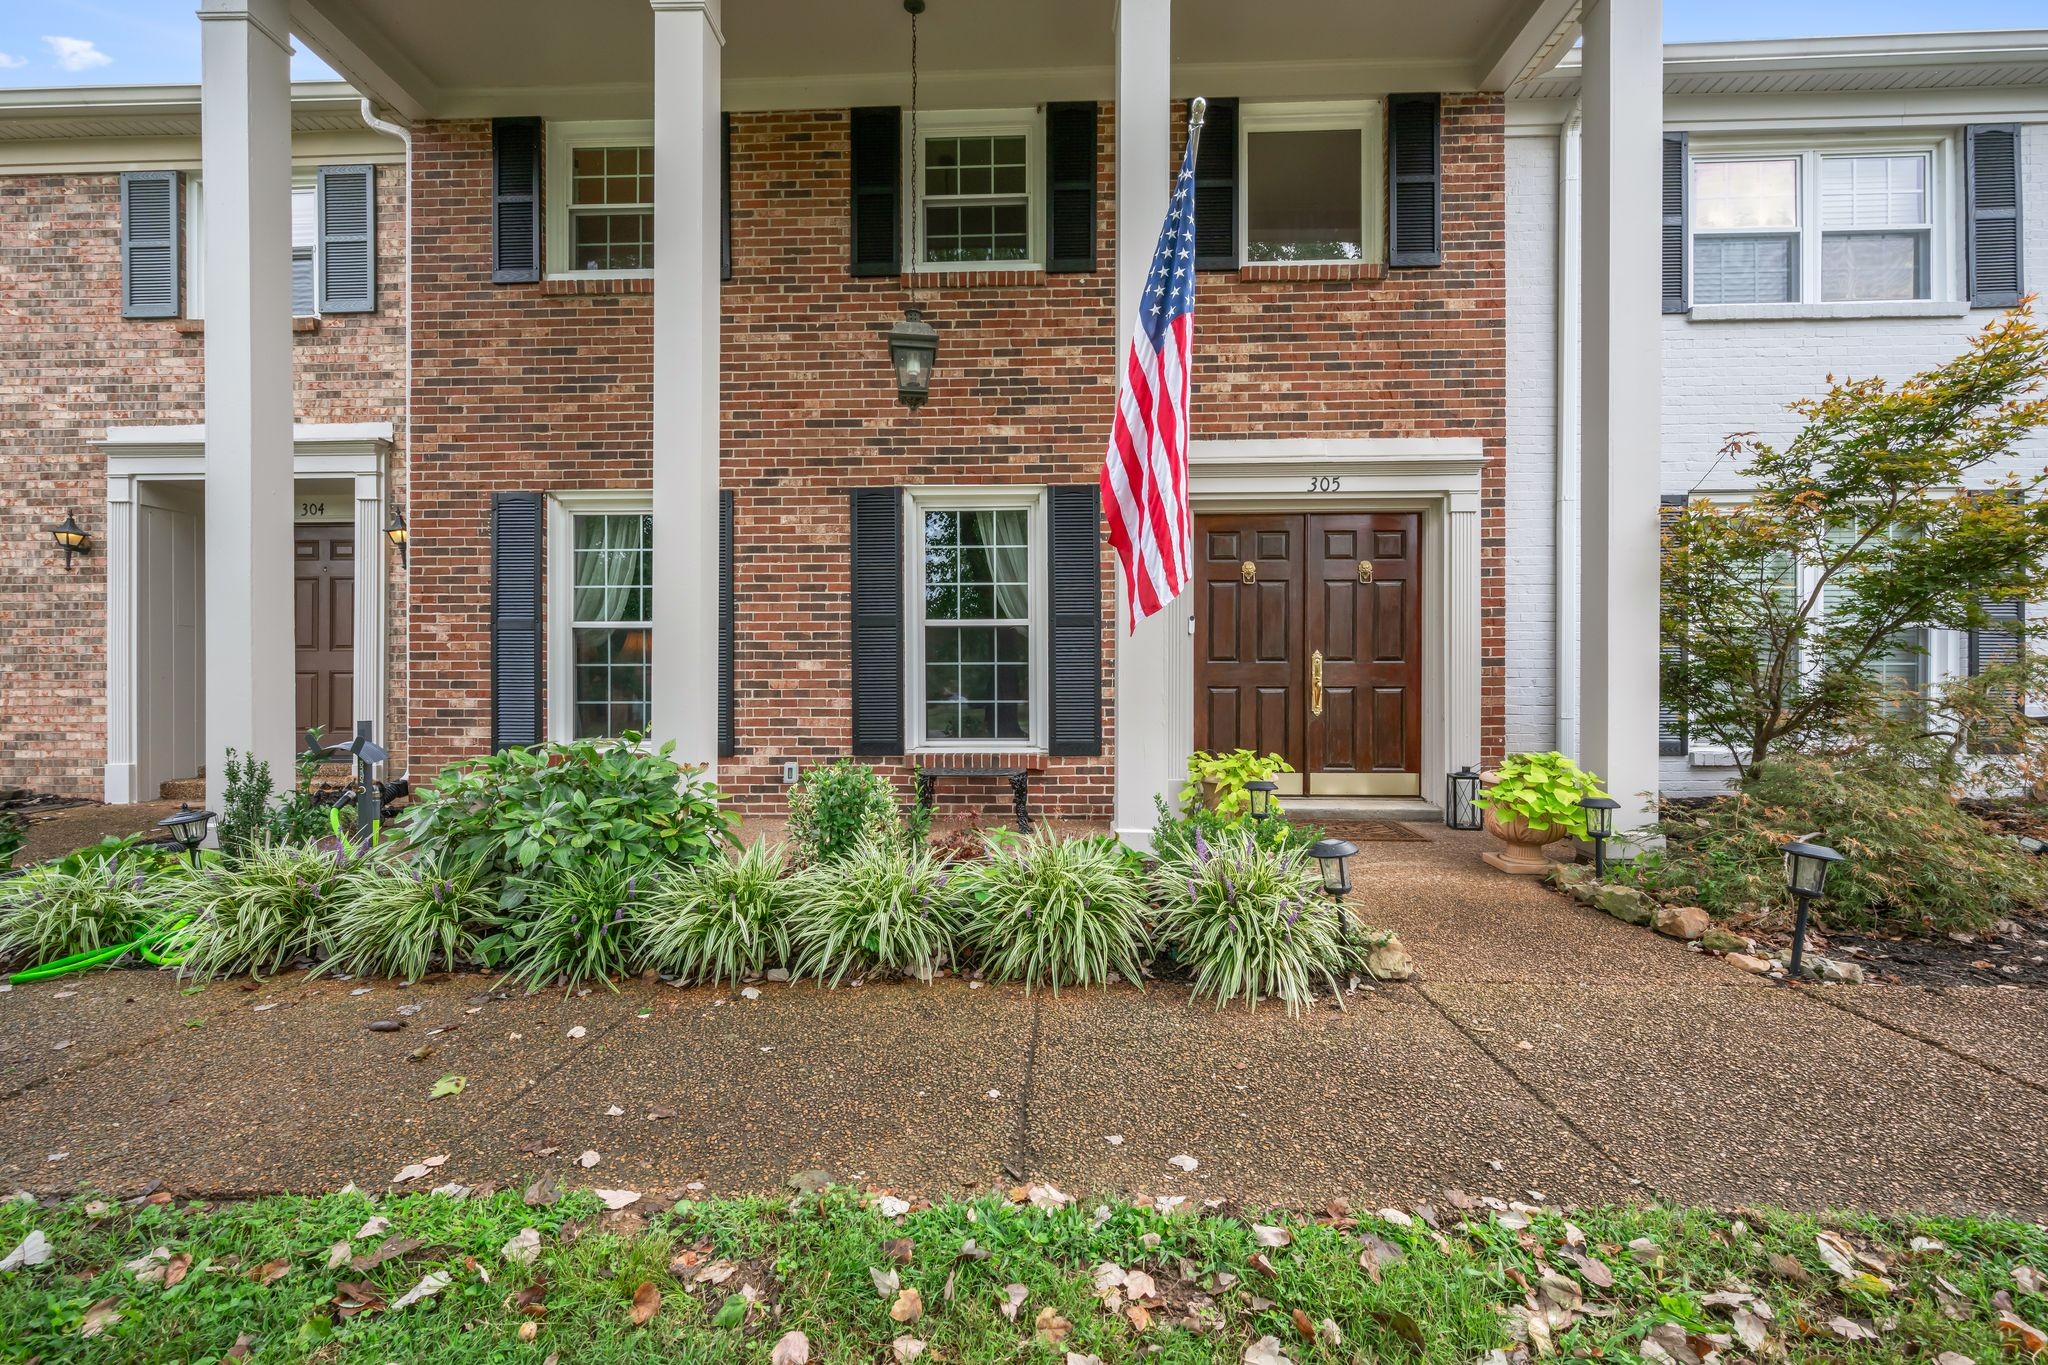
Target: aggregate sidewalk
[{"x": 1545, "y": 1048}]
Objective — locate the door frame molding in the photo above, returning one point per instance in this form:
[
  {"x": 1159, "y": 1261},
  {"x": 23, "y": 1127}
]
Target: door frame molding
[
  {"x": 359, "y": 451},
  {"x": 1439, "y": 477}
]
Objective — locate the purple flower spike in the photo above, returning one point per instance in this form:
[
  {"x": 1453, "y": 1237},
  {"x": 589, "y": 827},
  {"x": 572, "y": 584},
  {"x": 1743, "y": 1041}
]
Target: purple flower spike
[
  {"x": 1201, "y": 847},
  {"x": 1194, "y": 891},
  {"x": 1229, "y": 891}
]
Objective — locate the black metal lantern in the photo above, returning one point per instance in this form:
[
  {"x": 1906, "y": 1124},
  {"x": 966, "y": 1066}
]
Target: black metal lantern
[
  {"x": 72, "y": 538},
  {"x": 1261, "y": 794},
  {"x": 913, "y": 350},
  {"x": 2029, "y": 844},
  {"x": 400, "y": 535},
  {"x": 188, "y": 826},
  {"x": 1461, "y": 802},
  {"x": 1335, "y": 855},
  {"x": 1806, "y": 876},
  {"x": 1599, "y": 827}
]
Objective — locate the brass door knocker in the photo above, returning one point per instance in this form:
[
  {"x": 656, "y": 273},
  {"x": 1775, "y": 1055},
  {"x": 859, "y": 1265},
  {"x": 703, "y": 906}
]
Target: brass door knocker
[
  {"x": 1365, "y": 571},
  {"x": 1249, "y": 571}
]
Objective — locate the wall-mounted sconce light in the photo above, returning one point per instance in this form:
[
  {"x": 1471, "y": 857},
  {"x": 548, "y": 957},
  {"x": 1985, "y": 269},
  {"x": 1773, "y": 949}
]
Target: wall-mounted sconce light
[{"x": 72, "y": 538}]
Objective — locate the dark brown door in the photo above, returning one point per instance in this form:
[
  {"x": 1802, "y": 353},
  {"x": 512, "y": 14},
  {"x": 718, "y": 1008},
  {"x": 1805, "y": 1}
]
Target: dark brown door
[
  {"x": 1248, "y": 623},
  {"x": 324, "y": 627},
  {"x": 1364, "y": 633}
]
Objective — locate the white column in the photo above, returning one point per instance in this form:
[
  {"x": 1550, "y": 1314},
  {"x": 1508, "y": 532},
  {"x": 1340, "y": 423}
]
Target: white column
[
  {"x": 1462, "y": 726},
  {"x": 372, "y": 589},
  {"x": 246, "y": 158},
  {"x": 120, "y": 557},
  {"x": 1154, "y": 669},
  {"x": 688, "y": 46},
  {"x": 1622, "y": 371}
]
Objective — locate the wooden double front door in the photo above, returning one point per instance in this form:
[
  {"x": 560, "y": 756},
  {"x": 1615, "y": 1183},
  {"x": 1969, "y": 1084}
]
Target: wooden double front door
[{"x": 1308, "y": 644}]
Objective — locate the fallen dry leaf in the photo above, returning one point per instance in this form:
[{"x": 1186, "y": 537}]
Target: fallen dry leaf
[
  {"x": 646, "y": 1303},
  {"x": 887, "y": 1283},
  {"x": 1378, "y": 1254},
  {"x": 1013, "y": 1299},
  {"x": 1050, "y": 1327},
  {"x": 388, "y": 1249},
  {"x": 1849, "y": 1329},
  {"x": 906, "y": 1349},
  {"x": 791, "y": 1348},
  {"x": 908, "y": 1308},
  {"x": 99, "y": 1317},
  {"x": 353, "y": 1297},
  {"x": 377, "y": 1226},
  {"x": 1139, "y": 1285},
  {"x": 1304, "y": 1325},
  {"x": 522, "y": 1248},
  {"x": 270, "y": 1272},
  {"x": 617, "y": 1199},
  {"x": 1265, "y": 1351},
  {"x": 588, "y": 1159},
  {"x": 339, "y": 1255},
  {"x": 1183, "y": 1162},
  {"x": 1267, "y": 1235},
  {"x": 2029, "y": 1280},
  {"x": 2020, "y": 1333},
  {"x": 1836, "y": 1251},
  {"x": 433, "y": 1282}
]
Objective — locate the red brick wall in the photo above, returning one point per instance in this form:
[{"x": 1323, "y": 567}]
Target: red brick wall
[
  {"x": 76, "y": 366},
  {"x": 547, "y": 387}
]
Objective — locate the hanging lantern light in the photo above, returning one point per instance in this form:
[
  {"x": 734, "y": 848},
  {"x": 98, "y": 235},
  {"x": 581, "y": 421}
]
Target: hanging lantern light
[
  {"x": 1261, "y": 794},
  {"x": 913, "y": 350},
  {"x": 1461, "y": 801}
]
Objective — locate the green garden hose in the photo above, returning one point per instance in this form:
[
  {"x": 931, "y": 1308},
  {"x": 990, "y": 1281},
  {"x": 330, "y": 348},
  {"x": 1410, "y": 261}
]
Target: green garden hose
[{"x": 146, "y": 946}]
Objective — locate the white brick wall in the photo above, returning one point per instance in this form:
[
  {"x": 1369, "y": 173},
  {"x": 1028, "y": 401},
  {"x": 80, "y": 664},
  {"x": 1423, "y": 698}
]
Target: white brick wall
[{"x": 1719, "y": 378}]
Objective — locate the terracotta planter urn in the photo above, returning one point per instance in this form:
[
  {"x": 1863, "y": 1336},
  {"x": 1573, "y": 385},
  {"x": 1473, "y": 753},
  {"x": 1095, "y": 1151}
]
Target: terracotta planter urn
[{"x": 1521, "y": 851}]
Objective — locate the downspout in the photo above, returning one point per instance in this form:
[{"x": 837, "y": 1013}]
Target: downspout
[
  {"x": 1567, "y": 524},
  {"x": 404, "y": 135}
]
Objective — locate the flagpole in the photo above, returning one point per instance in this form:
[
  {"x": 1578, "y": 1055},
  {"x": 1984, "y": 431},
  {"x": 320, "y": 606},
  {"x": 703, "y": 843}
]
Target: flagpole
[{"x": 1198, "y": 109}]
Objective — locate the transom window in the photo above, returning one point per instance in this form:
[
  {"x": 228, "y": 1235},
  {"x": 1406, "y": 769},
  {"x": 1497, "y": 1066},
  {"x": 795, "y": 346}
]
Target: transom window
[
  {"x": 611, "y": 623},
  {"x": 975, "y": 596},
  {"x": 1834, "y": 227},
  {"x": 1304, "y": 183},
  {"x": 611, "y": 208}
]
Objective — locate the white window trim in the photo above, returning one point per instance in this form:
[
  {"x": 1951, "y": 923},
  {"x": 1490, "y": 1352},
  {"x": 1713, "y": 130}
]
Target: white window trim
[
  {"x": 1315, "y": 117},
  {"x": 916, "y": 502},
  {"x": 976, "y": 123},
  {"x": 563, "y": 141},
  {"x": 1944, "y": 210},
  {"x": 195, "y": 242},
  {"x": 564, "y": 506}
]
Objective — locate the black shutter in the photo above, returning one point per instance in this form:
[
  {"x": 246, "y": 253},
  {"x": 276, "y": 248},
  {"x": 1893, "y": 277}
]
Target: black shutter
[
  {"x": 1993, "y": 645},
  {"x": 346, "y": 214},
  {"x": 515, "y": 200},
  {"x": 725, "y": 200},
  {"x": 515, "y": 619},
  {"x": 727, "y": 742},
  {"x": 875, "y": 151},
  {"x": 150, "y": 257},
  {"x": 1991, "y": 165},
  {"x": 1676, "y": 299},
  {"x": 877, "y": 546},
  {"x": 1671, "y": 720},
  {"x": 1070, "y": 186},
  {"x": 1415, "y": 181},
  {"x": 1216, "y": 188},
  {"x": 1074, "y": 546}
]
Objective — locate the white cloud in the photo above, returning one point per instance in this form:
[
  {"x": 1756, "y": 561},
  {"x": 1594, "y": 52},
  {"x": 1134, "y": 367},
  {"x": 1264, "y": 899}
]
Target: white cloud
[
  {"x": 77, "y": 54},
  {"x": 8, "y": 61}
]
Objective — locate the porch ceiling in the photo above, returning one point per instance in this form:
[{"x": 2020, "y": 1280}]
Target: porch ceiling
[{"x": 475, "y": 58}]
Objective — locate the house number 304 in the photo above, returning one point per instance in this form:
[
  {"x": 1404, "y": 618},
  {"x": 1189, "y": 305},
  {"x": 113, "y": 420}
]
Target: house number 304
[{"x": 1325, "y": 483}]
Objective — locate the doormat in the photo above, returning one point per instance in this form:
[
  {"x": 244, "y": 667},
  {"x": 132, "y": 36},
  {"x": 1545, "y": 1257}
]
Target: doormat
[{"x": 1374, "y": 832}]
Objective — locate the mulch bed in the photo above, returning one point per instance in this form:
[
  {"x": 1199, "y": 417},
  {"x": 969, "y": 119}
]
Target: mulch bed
[{"x": 2018, "y": 957}]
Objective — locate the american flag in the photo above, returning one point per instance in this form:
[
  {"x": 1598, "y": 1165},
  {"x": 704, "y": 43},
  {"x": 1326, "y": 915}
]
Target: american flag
[{"x": 1145, "y": 474}]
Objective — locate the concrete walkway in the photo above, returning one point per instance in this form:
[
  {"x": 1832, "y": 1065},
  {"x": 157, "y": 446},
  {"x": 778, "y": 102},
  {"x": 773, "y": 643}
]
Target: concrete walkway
[{"x": 1546, "y": 1048}]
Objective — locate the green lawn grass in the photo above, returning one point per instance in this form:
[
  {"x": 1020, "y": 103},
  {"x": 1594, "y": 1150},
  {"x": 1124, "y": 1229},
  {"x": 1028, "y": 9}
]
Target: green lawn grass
[{"x": 1394, "y": 1291}]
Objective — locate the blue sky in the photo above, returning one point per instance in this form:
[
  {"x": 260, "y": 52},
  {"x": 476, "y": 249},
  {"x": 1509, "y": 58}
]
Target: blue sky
[{"x": 148, "y": 42}]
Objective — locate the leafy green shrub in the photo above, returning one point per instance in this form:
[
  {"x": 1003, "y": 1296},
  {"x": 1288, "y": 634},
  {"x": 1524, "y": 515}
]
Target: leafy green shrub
[
  {"x": 263, "y": 911},
  {"x": 720, "y": 920},
  {"x": 1175, "y": 834},
  {"x": 1228, "y": 773},
  {"x": 1064, "y": 911},
  {"x": 395, "y": 918},
  {"x": 95, "y": 898},
  {"x": 13, "y": 829},
  {"x": 245, "y": 807},
  {"x": 1249, "y": 920},
  {"x": 529, "y": 814},
  {"x": 577, "y": 927},
  {"x": 1544, "y": 789},
  {"x": 838, "y": 807},
  {"x": 1916, "y": 862},
  {"x": 883, "y": 907}
]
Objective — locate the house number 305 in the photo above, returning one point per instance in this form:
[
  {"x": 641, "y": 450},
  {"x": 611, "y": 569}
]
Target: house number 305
[{"x": 1325, "y": 483}]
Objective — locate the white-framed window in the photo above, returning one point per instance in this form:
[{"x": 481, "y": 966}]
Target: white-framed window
[
  {"x": 980, "y": 203},
  {"x": 1843, "y": 221},
  {"x": 601, "y": 198},
  {"x": 600, "y": 566},
  {"x": 975, "y": 593},
  {"x": 305, "y": 247},
  {"x": 1308, "y": 182}
]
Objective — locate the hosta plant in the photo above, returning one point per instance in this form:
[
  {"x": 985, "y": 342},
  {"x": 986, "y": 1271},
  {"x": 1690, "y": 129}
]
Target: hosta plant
[
  {"x": 722, "y": 920},
  {"x": 575, "y": 929},
  {"x": 268, "y": 909},
  {"x": 1056, "y": 910},
  {"x": 399, "y": 918},
  {"x": 1249, "y": 921},
  {"x": 884, "y": 907},
  {"x": 96, "y": 898}
]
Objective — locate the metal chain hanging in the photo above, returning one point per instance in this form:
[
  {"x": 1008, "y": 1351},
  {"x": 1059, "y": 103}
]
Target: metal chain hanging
[{"x": 915, "y": 7}]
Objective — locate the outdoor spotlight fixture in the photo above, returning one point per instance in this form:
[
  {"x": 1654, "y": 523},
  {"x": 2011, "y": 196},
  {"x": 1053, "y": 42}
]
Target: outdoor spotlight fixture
[
  {"x": 1461, "y": 802},
  {"x": 71, "y": 538},
  {"x": 189, "y": 827},
  {"x": 1806, "y": 876},
  {"x": 399, "y": 535},
  {"x": 367, "y": 755},
  {"x": 1261, "y": 794},
  {"x": 2029, "y": 844},
  {"x": 913, "y": 350},
  {"x": 1334, "y": 856},
  {"x": 1599, "y": 828}
]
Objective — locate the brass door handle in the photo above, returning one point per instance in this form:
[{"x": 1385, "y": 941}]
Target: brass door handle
[{"x": 1315, "y": 683}]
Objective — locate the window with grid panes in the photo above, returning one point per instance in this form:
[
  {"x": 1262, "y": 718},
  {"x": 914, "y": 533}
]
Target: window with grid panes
[
  {"x": 612, "y": 623},
  {"x": 611, "y": 208},
  {"x": 977, "y": 624},
  {"x": 977, "y": 199}
]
